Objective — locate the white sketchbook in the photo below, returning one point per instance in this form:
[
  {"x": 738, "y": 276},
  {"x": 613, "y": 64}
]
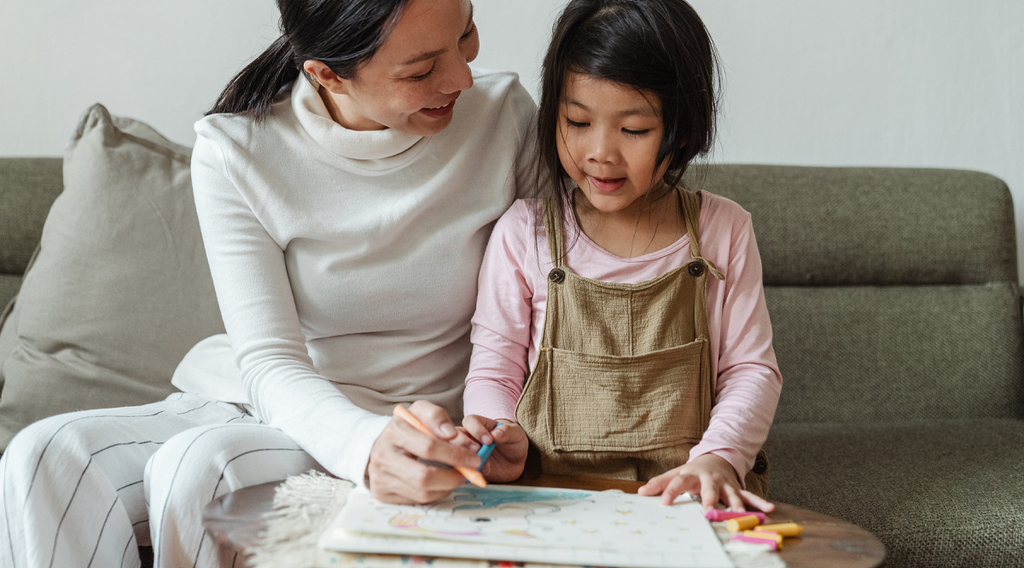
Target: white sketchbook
[{"x": 532, "y": 524}]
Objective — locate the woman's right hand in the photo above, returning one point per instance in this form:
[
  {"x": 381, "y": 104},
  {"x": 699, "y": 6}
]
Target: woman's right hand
[
  {"x": 509, "y": 457},
  {"x": 395, "y": 473}
]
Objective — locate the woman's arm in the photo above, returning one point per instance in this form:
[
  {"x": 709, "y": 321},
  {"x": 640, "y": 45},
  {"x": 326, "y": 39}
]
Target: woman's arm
[{"x": 280, "y": 380}]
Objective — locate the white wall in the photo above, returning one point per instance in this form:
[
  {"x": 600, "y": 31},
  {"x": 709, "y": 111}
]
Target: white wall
[{"x": 932, "y": 83}]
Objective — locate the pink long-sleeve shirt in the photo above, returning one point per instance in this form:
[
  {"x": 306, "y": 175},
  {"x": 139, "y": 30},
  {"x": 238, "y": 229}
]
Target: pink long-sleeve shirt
[{"x": 512, "y": 297}]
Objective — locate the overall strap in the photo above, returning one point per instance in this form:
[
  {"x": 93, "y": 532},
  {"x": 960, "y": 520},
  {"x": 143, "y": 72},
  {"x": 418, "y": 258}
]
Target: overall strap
[
  {"x": 691, "y": 213},
  {"x": 553, "y": 226}
]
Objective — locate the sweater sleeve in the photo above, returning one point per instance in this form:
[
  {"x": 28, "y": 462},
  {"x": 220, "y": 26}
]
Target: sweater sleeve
[
  {"x": 256, "y": 302},
  {"x": 502, "y": 322},
  {"x": 748, "y": 382}
]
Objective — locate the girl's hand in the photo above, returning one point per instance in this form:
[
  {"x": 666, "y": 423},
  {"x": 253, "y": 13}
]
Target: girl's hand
[
  {"x": 509, "y": 457},
  {"x": 711, "y": 476},
  {"x": 395, "y": 473}
]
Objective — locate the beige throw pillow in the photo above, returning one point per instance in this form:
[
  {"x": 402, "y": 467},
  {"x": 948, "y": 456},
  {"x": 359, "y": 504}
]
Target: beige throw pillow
[{"x": 120, "y": 289}]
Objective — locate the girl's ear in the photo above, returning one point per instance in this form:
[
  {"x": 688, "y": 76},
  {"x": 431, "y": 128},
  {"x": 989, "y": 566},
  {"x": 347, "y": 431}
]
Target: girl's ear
[{"x": 328, "y": 79}]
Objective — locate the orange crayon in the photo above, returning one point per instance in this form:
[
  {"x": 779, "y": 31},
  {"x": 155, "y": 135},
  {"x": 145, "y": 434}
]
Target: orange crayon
[{"x": 474, "y": 476}]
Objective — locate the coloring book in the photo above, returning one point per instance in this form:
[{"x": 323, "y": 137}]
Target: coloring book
[{"x": 532, "y": 524}]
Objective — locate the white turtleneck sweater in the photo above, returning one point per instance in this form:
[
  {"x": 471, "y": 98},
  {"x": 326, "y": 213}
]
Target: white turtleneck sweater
[{"x": 345, "y": 262}]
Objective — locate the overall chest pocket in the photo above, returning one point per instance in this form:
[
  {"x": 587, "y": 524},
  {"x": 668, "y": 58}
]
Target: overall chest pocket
[{"x": 604, "y": 403}]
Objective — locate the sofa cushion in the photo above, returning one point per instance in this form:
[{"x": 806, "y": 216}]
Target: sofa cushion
[
  {"x": 120, "y": 289},
  {"x": 874, "y": 226},
  {"x": 868, "y": 354},
  {"x": 28, "y": 187},
  {"x": 937, "y": 493}
]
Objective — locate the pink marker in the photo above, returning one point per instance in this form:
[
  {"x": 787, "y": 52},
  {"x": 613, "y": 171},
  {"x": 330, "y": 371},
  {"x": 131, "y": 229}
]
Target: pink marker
[
  {"x": 722, "y": 515},
  {"x": 772, "y": 545}
]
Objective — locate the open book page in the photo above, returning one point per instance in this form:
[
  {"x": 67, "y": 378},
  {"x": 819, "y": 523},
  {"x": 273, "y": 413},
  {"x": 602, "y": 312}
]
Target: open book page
[{"x": 532, "y": 524}]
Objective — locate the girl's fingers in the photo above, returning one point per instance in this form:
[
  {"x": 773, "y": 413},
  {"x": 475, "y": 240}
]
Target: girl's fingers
[
  {"x": 732, "y": 498},
  {"x": 678, "y": 485},
  {"x": 757, "y": 502},
  {"x": 657, "y": 484},
  {"x": 479, "y": 427},
  {"x": 710, "y": 492}
]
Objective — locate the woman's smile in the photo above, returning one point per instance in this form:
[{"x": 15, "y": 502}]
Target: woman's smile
[{"x": 440, "y": 111}]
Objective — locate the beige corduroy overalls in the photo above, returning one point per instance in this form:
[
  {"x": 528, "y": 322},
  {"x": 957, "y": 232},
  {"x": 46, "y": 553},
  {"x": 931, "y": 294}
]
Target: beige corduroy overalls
[{"x": 622, "y": 386}]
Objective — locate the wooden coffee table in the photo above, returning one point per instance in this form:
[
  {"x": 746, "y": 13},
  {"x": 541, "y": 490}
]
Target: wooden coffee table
[{"x": 235, "y": 520}]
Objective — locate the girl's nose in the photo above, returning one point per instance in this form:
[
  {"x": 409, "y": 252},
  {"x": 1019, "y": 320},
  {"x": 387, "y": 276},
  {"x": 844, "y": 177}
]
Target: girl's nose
[{"x": 601, "y": 149}]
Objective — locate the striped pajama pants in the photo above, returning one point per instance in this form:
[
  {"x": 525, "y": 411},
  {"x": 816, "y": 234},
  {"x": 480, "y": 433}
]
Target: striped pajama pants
[{"x": 88, "y": 488}]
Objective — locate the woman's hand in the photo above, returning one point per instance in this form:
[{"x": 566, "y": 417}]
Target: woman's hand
[
  {"x": 711, "y": 476},
  {"x": 397, "y": 476},
  {"x": 509, "y": 457}
]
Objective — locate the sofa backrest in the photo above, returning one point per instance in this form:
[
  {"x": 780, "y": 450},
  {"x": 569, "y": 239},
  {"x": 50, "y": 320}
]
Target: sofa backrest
[
  {"x": 892, "y": 292},
  {"x": 28, "y": 187}
]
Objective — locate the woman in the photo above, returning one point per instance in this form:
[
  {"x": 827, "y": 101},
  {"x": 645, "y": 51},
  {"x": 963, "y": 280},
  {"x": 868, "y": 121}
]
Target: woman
[{"x": 346, "y": 182}]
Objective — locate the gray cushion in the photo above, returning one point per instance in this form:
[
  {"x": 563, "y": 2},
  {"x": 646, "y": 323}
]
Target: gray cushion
[
  {"x": 937, "y": 493},
  {"x": 120, "y": 289},
  {"x": 866, "y": 354},
  {"x": 876, "y": 226}
]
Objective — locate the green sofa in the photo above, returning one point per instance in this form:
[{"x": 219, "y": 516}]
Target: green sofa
[
  {"x": 893, "y": 295},
  {"x": 897, "y": 317}
]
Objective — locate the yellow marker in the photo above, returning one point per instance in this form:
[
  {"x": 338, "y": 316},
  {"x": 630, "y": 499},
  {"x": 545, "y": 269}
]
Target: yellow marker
[
  {"x": 785, "y": 529},
  {"x": 742, "y": 523},
  {"x": 474, "y": 476}
]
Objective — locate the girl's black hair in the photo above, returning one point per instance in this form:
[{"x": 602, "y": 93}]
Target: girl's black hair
[
  {"x": 342, "y": 34},
  {"x": 655, "y": 46}
]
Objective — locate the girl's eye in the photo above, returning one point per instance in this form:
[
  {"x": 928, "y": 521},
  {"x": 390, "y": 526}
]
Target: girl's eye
[
  {"x": 472, "y": 30},
  {"x": 629, "y": 132},
  {"x": 574, "y": 124},
  {"x": 423, "y": 76}
]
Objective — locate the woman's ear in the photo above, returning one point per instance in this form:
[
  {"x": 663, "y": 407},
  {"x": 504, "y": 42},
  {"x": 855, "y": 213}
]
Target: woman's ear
[{"x": 328, "y": 79}]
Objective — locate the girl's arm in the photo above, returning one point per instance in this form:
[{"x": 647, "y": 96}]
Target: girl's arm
[
  {"x": 503, "y": 320},
  {"x": 280, "y": 380},
  {"x": 501, "y": 338},
  {"x": 748, "y": 381}
]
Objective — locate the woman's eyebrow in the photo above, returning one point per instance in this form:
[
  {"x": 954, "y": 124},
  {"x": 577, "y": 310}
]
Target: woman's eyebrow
[{"x": 436, "y": 52}]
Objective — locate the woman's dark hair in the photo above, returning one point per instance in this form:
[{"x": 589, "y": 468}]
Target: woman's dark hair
[
  {"x": 659, "y": 47},
  {"x": 343, "y": 34}
]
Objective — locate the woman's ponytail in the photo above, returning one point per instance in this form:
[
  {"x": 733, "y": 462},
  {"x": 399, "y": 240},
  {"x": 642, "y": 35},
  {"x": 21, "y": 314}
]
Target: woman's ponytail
[
  {"x": 252, "y": 91},
  {"x": 342, "y": 34}
]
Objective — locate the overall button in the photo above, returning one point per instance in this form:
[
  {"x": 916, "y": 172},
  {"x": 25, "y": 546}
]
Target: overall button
[
  {"x": 557, "y": 275},
  {"x": 696, "y": 269}
]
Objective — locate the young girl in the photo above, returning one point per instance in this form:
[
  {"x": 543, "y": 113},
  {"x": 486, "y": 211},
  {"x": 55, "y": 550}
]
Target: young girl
[{"x": 633, "y": 308}]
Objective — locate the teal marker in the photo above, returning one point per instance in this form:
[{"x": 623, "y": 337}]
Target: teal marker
[{"x": 485, "y": 451}]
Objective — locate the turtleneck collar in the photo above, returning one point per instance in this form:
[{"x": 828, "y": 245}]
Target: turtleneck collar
[{"x": 360, "y": 145}]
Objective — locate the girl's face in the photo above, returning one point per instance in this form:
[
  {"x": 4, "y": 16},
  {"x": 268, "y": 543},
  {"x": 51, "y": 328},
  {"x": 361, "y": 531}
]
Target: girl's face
[
  {"x": 411, "y": 83},
  {"x": 608, "y": 139}
]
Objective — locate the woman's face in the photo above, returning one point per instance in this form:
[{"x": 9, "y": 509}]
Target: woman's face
[{"x": 413, "y": 80}]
